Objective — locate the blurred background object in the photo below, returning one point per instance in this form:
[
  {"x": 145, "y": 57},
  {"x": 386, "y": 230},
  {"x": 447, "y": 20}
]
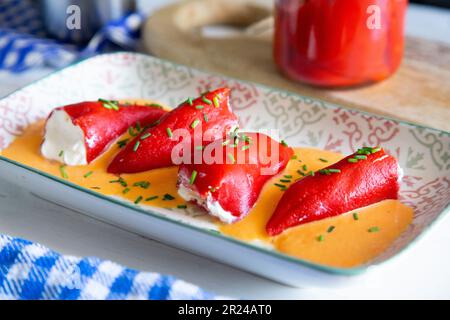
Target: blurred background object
[
  {"x": 93, "y": 15},
  {"x": 439, "y": 3}
]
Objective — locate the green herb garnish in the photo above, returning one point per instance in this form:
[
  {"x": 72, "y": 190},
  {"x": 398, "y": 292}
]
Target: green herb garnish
[
  {"x": 169, "y": 133},
  {"x": 145, "y": 136},
  {"x": 216, "y": 102},
  {"x": 110, "y": 104},
  {"x": 87, "y": 175},
  {"x": 136, "y": 146},
  {"x": 62, "y": 170},
  {"x": 151, "y": 198},
  {"x": 122, "y": 143},
  {"x": 355, "y": 216},
  {"x": 168, "y": 197},
  {"x": 193, "y": 177},
  {"x": 206, "y": 100},
  {"x": 195, "y": 123},
  {"x": 142, "y": 184},
  {"x": 138, "y": 199},
  {"x": 373, "y": 229}
]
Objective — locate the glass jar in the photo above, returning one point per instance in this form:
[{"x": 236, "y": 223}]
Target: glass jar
[{"x": 336, "y": 43}]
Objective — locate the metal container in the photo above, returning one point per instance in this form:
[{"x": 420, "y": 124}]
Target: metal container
[{"x": 76, "y": 21}]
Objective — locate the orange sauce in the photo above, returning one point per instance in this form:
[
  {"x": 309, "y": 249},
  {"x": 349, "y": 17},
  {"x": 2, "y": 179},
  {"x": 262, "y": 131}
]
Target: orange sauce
[{"x": 349, "y": 244}]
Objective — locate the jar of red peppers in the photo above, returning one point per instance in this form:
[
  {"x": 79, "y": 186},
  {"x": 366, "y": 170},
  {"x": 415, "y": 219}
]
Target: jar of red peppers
[{"x": 337, "y": 43}]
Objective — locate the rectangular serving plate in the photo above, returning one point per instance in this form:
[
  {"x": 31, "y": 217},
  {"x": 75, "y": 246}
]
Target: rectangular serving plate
[{"x": 423, "y": 153}]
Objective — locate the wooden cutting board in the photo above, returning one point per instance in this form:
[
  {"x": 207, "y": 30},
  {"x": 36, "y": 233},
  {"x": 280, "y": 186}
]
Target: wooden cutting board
[{"x": 419, "y": 92}]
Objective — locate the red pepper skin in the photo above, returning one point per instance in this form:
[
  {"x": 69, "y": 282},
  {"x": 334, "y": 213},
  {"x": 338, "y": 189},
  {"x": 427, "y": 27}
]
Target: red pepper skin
[
  {"x": 101, "y": 126},
  {"x": 321, "y": 196},
  {"x": 155, "y": 151},
  {"x": 236, "y": 186}
]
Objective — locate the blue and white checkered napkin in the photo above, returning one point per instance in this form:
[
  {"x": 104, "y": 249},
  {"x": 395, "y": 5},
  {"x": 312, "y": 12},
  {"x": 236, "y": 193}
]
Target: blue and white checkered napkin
[
  {"x": 32, "y": 271},
  {"x": 24, "y": 43}
]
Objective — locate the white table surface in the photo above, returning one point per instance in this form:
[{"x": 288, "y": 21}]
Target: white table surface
[{"x": 423, "y": 271}]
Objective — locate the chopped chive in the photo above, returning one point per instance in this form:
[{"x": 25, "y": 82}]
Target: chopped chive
[
  {"x": 305, "y": 167},
  {"x": 323, "y": 160},
  {"x": 279, "y": 185},
  {"x": 193, "y": 177},
  {"x": 110, "y": 104},
  {"x": 288, "y": 176},
  {"x": 216, "y": 102},
  {"x": 122, "y": 143},
  {"x": 325, "y": 171},
  {"x": 360, "y": 157},
  {"x": 155, "y": 105},
  {"x": 155, "y": 123},
  {"x": 205, "y": 117},
  {"x": 311, "y": 173},
  {"x": 87, "y": 175},
  {"x": 212, "y": 189},
  {"x": 126, "y": 190},
  {"x": 138, "y": 199},
  {"x": 189, "y": 101},
  {"x": 199, "y": 147},
  {"x": 151, "y": 198},
  {"x": 320, "y": 238},
  {"x": 61, "y": 153},
  {"x": 169, "y": 133},
  {"x": 373, "y": 229},
  {"x": 330, "y": 229},
  {"x": 62, "y": 170},
  {"x": 121, "y": 181},
  {"x": 145, "y": 136},
  {"x": 334, "y": 170},
  {"x": 136, "y": 146},
  {"x": 142, "y": 184},
  {"x": 138, "y": 126},
  {"x": 285, "y": 180},
  {"x": 231, "y": 157},
  {"x": 355, "y": 216},
  {"x": 131, "y": 132},
  {"x": 206, "y": 100},
  {"x": 246, "y": 147},
  {"x": 195, "y": 123},
  {"x": 294, "y": 157},
  {"x": 374, "y": 150},
  {"x": 284, "y": 143},
  {"x": 168, "y": 197},
  {"x": 181, "y": 206},
  {"x": 352, "y": 160},
  {"x": 301, "y": 173},
  {"x": 199, "y": 107}
]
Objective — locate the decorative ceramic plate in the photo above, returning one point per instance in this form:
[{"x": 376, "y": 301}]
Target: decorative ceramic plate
[{"x": 423, "y": 153}]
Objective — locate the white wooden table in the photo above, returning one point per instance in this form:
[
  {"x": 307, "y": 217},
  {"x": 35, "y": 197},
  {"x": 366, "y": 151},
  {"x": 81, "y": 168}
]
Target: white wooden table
[{"x": 421, "y": 272}]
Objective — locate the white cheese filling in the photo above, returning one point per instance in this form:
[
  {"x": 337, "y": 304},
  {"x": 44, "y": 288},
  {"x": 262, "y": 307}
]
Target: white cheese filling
[
  {"x": 214, "y": 208},
  {"x": 63, "y": 141}
]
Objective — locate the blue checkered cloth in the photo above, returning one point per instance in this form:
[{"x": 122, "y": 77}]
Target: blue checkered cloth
[
  {"x": 32, "y": 271},
  {"x": 24, "y": 43}
]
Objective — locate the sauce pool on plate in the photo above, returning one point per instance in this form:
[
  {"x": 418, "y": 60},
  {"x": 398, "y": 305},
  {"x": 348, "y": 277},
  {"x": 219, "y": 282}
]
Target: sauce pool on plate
[{"x": 347, "y": 240}]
